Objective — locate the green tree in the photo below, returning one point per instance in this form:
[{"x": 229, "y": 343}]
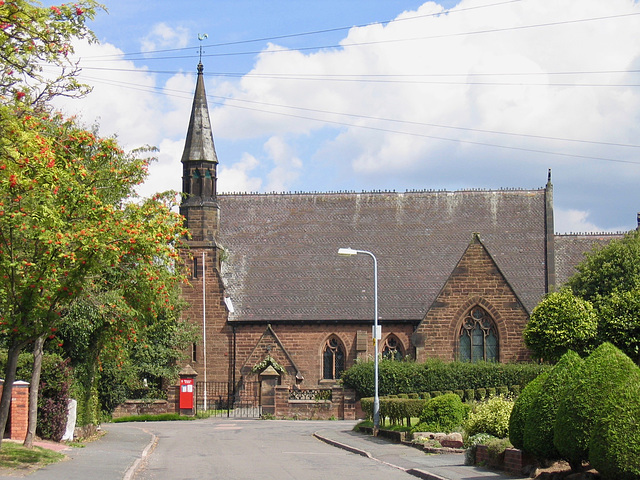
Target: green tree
[
  {"x": 620, "y": 321},
  {"x": 115, "y": 360},
  {"x": 559, "y": 323},
  {"x": 609, "y": 268},
  {"x": 66, "y": 217},
  {"x": 32, "y": 37},
  {"x": 609, "y": 278}
]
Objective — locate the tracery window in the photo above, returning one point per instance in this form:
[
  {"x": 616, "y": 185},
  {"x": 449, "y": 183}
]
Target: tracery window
[
  {"x": 478, "y": 337},
  {"x": 392, "y": 348},
  {"x": 332, "y": 359}
]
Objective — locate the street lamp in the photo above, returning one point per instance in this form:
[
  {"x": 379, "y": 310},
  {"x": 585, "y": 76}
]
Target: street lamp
[{"x": 377, "y": 334}]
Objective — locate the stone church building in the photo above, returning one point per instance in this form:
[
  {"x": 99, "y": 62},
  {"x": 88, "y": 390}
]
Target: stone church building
[{"x": 459, "y": 272}]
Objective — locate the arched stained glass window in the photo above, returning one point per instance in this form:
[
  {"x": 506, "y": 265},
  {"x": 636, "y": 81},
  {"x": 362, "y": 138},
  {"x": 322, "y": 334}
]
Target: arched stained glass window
[
  {"x": 478, "y": 337},
  {"x": 332, "y": 359},
  {"x": 392, "y": 348}
]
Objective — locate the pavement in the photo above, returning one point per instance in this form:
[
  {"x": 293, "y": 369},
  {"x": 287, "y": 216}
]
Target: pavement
[
  {"x": 410, "y": 459},
  {"x": 117, "y": 455}
]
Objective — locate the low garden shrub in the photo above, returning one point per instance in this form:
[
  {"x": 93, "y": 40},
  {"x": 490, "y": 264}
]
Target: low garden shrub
[
  {"x": 490, "y": 417},
  {"x": 444, "y": 413},
  {"x": 471, "y": 443}
]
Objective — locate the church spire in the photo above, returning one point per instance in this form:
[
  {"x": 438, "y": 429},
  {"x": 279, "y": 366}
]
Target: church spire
[
  {"x": 199, "y": 170},
  {"x": 199, "y": 144}
]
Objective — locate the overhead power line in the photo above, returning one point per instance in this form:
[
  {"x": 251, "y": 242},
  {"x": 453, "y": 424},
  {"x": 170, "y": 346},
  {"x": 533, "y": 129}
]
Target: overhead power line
[
  {"x": 144, "y": 56},
  {"x": 221, "y": 101},
  {"x": 313, "y": 32}
]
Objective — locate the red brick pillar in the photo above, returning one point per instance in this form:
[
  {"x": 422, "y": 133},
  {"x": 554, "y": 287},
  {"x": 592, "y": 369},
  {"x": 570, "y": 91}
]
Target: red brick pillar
[
  {"x": 19, "y": 413},
  {"x": 19, "y": 410}
]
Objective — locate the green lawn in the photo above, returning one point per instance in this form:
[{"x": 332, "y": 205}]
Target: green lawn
[{"x": 15, "y": 457}]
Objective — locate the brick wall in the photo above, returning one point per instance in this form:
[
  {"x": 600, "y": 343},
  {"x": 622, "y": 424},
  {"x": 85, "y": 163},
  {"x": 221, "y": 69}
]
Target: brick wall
[
  {"x": 512, "y": 461},
  {"x": 475, "y": 281},
  {"x": 218, "y": 333},
  {"x": 300, "y": 347},
  {"x": 19, "y": 416},
  {"x": 142, "y": 407},
  {"x": 341, "y": 406}
]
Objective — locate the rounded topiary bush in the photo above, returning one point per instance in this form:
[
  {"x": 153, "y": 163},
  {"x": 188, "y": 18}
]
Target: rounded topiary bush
[
  {"x": 490, "y": 417},
  {"x": 444, "y": 413},
  {"x": 521, "y": 410},
  {"x": 541, "y": 416},
  {"x": 614, "y": 449},
  {"x": 587, "y": 399}
]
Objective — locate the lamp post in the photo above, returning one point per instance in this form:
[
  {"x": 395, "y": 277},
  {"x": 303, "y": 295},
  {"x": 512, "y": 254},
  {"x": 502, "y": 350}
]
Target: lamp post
[{"x": 349, "y": 252}]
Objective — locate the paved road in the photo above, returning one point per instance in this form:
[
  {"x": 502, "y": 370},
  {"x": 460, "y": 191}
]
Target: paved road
[
  {"x": 109, "y": 458},
  {"x": 233, "y": 449}
]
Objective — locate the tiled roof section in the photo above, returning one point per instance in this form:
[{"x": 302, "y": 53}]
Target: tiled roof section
[
  {"x": 282, "y": 263},
  {"x": 571, "y": 250}
]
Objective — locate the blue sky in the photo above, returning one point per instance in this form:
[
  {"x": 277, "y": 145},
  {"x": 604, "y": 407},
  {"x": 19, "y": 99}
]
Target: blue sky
[{"x": 385, "y": 95}]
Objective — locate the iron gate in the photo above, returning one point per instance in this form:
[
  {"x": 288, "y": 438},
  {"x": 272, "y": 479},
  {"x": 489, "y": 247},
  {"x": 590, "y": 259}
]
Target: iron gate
[{"x": 222, "y": 400}]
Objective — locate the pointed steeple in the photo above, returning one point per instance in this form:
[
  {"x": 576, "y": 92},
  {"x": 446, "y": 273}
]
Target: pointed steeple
[
  {"x": 199, "y": 144},
  {"x": 199, "y": 170}
]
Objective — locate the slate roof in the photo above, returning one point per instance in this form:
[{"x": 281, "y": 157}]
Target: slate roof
[
  {"x": 281, "y": 261},
  {"x": 571, "y": 250}
]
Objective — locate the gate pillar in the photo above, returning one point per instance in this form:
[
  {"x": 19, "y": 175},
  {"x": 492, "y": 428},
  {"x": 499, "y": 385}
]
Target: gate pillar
[{"x": 269, "y": 379}]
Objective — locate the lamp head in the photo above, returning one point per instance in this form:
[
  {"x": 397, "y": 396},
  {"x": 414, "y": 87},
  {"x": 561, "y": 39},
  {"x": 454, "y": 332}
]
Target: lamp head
[{"x": 347, "y": 252}]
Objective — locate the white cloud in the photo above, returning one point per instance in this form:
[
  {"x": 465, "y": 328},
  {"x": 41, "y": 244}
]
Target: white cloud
[
  {"x": 163, "y": 35},
  {"x": 511, "y": 80},
  {"x": 287, "y": 165},
  {"x": 403, "y": 85},
  {"x": 236, "y": 178},
  {"x": 577, "y": 221}
]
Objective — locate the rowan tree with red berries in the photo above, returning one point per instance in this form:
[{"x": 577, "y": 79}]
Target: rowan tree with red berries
[{"x": 69, "y": 218}]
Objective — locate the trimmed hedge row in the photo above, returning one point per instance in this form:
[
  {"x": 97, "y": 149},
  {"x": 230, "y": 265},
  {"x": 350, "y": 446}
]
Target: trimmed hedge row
[
  {"x": 403, "y": 406},
  {"x": 438, "y": 376}
]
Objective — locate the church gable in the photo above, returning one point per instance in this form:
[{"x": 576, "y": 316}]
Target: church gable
[
  {"x": 270, "y": 352},
  {"x": 476, "y": 316}
]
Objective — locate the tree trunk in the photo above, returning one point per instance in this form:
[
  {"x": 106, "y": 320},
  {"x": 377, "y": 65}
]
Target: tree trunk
[
  {"x": 9, "y": 378},
  {"x": 33, "y": 391}
]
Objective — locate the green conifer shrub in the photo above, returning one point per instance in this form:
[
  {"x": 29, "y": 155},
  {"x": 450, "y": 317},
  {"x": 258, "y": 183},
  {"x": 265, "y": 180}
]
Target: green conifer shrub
[
  {"x": 586, "y": 400},
  {"x": 541, "y": 417},
  {"x": 521, "y": 410},
  {"x": 614, "y": 449}
]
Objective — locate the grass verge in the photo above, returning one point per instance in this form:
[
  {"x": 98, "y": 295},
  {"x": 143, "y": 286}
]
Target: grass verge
[
  {"x": 15, "y": 457},
  {"x": 163, "y": 417}
]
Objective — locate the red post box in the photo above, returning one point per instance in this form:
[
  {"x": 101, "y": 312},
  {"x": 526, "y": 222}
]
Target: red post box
[{"x": 186, "y": 393}]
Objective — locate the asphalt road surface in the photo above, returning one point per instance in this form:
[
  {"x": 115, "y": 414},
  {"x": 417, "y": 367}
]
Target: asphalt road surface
[{"x": 236, "y": 449}]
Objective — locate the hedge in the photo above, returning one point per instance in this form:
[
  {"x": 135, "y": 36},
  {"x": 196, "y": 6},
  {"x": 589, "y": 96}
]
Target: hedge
[
  {"x": 437, "y": 376},
  {"x": 395, "y": 409}
]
